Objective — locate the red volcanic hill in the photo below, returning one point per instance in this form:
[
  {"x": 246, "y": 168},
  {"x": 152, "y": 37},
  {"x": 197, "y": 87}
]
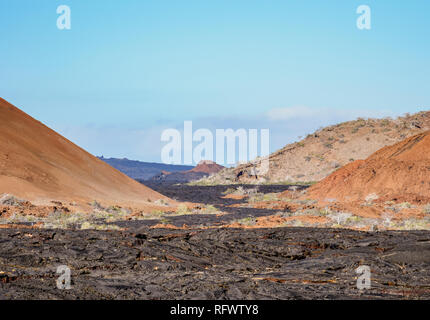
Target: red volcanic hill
[
  {"x": 203, "y": 169},
  {"x": 37, "y": 163},
  {"x": 399, "y": 172},
  {"x": 207, "y": 166}
]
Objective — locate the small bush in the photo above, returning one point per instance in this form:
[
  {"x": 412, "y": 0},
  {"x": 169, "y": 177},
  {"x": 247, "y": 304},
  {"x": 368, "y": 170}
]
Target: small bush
[
  {"x": 325, "y": 212},
  {"x": 165, "y": 221},
  {"x": 371, "y": 197},
  {"x": 210, "y": 209},
  {"x": 340, "y": 218},
  {"x": 10, "y": 200},
  {"x": 161, "y": 202},
  {"x": 263, "y": 197},
  {"x": 229, "y": 191},
  {"x": 248, "y": 221},
  {"x": 404, "y": 205},
  {"x": 426, "y": 209},
  {"x": 97, "y": 205},
  {"x": 328, "y": 145},
  {"x": 183, "y": 209}
]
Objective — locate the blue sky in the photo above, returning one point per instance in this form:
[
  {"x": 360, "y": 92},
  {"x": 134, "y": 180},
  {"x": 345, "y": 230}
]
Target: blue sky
[{"x": 128, "y": 69}]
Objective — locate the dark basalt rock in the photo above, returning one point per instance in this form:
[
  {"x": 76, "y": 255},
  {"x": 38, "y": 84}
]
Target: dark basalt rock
[
  {"x": 285, "y": 263},
  {"x": 214, "y": 263}
]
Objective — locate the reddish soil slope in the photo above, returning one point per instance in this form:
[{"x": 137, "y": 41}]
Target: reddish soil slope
[
  {"x": 37, "y": 163},
  {"x": 399, "y": 172}
]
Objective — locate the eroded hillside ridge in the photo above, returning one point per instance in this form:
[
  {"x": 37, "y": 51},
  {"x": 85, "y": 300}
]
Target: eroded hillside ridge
[{"x": 322, "y": 152}]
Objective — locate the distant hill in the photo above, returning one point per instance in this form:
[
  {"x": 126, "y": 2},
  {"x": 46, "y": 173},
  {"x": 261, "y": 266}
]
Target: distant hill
[
  {"x": 142, "y": 170},
  {"x": 204, "y": 169},
  {"x": 326, "y": 150},
  {"x": 395, "y": 173}
]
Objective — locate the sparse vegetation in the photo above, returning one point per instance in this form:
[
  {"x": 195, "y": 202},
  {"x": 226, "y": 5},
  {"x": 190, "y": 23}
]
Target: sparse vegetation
[
  {"x": 229, "y": 191},
  {"x": 10, "y": 200},
  {"x": 340, "y": 217},
  {"x": 165, "y": 221},
  {"x": 210, "y": 209},
  {"x": 325, "y": 211},
  {"x": 371, "y": 197},
  {"x": 292, "y": 183},
  {"x": 258, "y": 197},
  {"x": 87, "y": 226},
  {"x": 426, "y": 209},
  {"x": 161, "y": 202},
  {"x": 413, "y": 224},
  {"x": 183, "y": 209},
  {"x": 306, "y": 202},
  {"x": 241, "y": 191},
  {"x": 248, "y": 221},
  {"x": 384, "y": 122},
  {"x": 328, "y": 145},
  {"x": 62, "y": 220},
  {"x": 320, "y": 157}
]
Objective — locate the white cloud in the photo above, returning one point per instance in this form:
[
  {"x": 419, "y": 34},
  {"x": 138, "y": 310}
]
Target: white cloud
[{"x": 301, "y": 112}]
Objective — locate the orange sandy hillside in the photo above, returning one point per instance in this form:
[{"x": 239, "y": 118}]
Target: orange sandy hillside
[
  {"x": 400, "y": 172},
  {"x": 38, "y": 164}
]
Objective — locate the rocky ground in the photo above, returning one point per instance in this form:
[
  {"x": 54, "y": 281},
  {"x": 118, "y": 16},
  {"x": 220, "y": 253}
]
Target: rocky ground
[
  {"x": 205, "y": 261},
  {"x": 286, "y": 263}
]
